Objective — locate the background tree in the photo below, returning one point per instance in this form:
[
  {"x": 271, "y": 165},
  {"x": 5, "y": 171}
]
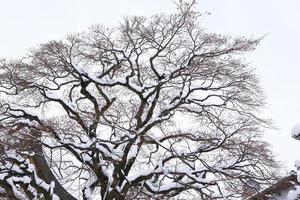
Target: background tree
[{"x": 154, "y": 108}]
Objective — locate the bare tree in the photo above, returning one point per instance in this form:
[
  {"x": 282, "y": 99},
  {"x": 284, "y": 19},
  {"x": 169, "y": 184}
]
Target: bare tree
[{"x": 152, "y": 109}]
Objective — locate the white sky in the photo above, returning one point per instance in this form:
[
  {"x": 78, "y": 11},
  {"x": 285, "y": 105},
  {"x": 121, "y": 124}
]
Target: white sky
[{"x": 25, "y": 24}]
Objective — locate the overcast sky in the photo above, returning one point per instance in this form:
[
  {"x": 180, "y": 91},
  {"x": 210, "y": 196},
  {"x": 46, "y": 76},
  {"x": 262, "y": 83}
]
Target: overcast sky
[{"x": 25, "y": 24}]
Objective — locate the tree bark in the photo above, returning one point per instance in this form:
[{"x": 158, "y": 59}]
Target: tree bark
[{"x": 44, "y": 172}]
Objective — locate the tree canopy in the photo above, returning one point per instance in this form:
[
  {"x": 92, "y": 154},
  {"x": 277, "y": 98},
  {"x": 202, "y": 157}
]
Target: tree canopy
[{"x": 154, "y": 108}]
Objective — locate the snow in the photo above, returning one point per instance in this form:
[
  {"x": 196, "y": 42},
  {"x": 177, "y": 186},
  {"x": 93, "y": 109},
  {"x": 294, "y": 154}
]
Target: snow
[
  {"x": 135, "y": 87},
  {"x": 2, "y": 190},
  {"x": 297, "y": 165},
  {"x": 16, "y": 192},
  {"x": 33, "y": 191},
  {"x": 105, "y": 80},
  {"x": 296, "y": 132},
  {"x": 293, "y": 194},
  {"x": 2, "y": 176},
  {"x": 134, "y": 175},
  {"x": 26, "y": 121},
  {"x": 87, "y": 188},
  {"x": 52, "y": 185},
  {"x": 134, "y": 149},
  {"x": 55, "y": 197},
  {"x": 23, "y": 178},
  {"x": 56, "y": 94},
  {"x": 164, "y": 187},
  {"x": 42, "y": 183},
  {"x": 86, "y": 158}
]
